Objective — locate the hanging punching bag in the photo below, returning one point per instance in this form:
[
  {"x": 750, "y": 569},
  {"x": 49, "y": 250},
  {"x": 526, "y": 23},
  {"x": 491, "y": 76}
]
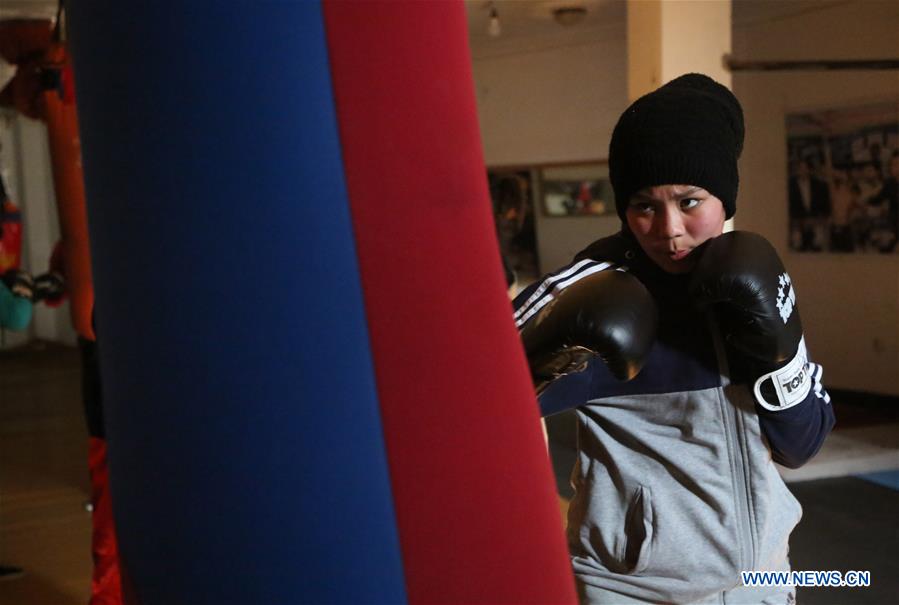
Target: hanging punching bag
[{"x": 315, "y": 390}]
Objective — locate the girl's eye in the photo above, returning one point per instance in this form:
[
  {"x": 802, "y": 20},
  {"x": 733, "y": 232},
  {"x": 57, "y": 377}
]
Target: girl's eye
[
  {"x": 689, "y": 202},
  {"x": 642, "y": 207}
]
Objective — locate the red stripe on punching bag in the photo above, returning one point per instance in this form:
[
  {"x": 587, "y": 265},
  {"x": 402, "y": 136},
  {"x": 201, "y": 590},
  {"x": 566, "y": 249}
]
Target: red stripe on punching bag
[{"x": 477, "y": 514}]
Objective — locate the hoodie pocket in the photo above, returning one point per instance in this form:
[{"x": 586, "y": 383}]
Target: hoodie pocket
[{"x": 638, "y": 532}]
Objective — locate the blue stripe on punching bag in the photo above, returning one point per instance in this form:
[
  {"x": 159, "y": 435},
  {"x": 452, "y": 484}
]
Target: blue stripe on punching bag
[{"x": 246, "y": 453}]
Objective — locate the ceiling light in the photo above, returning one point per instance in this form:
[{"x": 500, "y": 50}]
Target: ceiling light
[{"x": 493, "y": 26}]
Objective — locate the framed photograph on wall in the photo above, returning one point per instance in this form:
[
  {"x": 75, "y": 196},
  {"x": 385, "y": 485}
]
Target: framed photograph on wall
[
  {"x": 576, "y": 190},
  {"x": 512, "y": 199},
  {"x": 843, "y": 166}
]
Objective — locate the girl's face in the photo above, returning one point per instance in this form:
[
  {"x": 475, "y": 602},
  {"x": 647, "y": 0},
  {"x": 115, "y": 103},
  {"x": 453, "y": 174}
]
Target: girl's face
[{"x": 670, "y": 221}]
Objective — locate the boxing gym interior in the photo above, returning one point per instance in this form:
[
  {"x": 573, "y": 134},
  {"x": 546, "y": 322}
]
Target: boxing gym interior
[{"x": 214, "y": 344}]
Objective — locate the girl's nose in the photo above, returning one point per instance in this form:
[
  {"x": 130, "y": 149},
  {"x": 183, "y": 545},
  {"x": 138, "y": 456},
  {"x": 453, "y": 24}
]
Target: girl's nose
[{"x": 669, "y": 222}]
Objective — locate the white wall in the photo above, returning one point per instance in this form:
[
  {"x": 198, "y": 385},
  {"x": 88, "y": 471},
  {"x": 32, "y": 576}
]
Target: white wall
[
  {"x": 554, "y": 105},
  {"x": 25, "y": 161},
  {"x": 849, "y": 302}
]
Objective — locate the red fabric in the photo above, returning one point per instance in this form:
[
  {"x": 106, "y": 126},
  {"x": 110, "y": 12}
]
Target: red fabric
[
  {"x": 22, "y": 43},
  {"x": 105, "y": 584},
  {"x": 10, "y": 237},
  {"x": 23, "y": 92},
  {"x": 57, "y": 265},
  {"x": 21, "y": 39},
  {"x": 57, "y": 259},
  {"x": 476, "y": 507}
]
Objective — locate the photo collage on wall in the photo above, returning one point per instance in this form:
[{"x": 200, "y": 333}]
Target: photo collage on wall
[{"x": 843, "y": 171}]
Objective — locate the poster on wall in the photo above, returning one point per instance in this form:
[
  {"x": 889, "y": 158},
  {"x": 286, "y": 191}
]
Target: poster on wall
[
  {"x": 512, "y": 197},
  {"x": 843, "y": 168},
  {"x": 577, "y": 190}
]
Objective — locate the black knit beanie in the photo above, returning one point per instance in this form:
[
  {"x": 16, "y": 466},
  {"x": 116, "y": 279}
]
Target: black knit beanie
[{"x": 688, "y": 132}]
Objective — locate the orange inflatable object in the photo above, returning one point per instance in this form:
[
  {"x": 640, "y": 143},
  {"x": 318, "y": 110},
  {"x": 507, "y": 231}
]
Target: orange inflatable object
[
  {"x": 29, "y": 44},
  {"x": 43, "y": 89},
  {"x": 65, "y": 154}
]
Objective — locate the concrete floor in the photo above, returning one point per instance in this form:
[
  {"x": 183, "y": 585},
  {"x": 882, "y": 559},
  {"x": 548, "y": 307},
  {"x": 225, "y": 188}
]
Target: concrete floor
[{"x": 848, "y": 524}]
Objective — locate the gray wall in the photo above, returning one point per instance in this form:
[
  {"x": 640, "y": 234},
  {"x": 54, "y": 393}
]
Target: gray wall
[{"x": 558, "y": 104}]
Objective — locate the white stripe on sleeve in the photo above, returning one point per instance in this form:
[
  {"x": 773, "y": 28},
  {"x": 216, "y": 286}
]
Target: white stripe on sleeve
[
  {"x": 551, "y": 287},
  {"x": 548, "y": 282},
  {"x": 817, "y": 371}
]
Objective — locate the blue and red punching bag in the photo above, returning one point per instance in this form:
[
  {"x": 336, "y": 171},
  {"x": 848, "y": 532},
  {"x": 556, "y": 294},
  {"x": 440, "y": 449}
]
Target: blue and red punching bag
[{"x": 315, "y": 390}]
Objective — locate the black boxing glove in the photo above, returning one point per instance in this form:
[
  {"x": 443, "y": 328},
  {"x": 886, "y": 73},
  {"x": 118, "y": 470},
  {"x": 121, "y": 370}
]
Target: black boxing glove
[
  {"x": 609, "y": 314},
  {"x": 740, "y": 275},
  {"x": 20, "y": 283},
  {"x": 50, "y": 287}
]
